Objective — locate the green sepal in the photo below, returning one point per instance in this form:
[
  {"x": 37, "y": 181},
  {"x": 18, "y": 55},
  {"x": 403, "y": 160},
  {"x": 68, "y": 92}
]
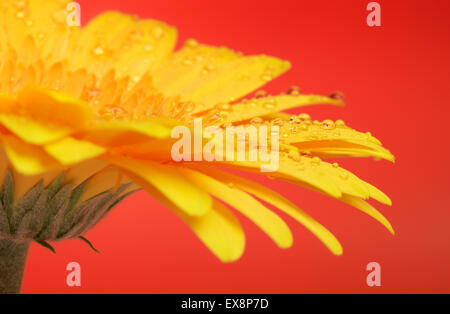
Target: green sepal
[
  {"x": 46, "y": 245},
  {"x": 89, "y": 243}
]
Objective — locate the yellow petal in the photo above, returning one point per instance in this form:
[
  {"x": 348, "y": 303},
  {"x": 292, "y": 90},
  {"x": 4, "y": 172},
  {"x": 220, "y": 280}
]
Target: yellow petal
[
  {"x": 264, "y": 218},
  {"x": 150, "y": 43},
  {"x": 317, "y": 175},
  {"x": 192, "y": 200},
  {"x": 234, "y": 80},
  {"x": 368, "y": 209},
  {"x": 28, "y": 159},
  {"x": 59, "y": 108},
  {"x": 280, "y": 202},
  {"x": 214, "y": 75},
  {"x": 218, "y": 229},
  {"x": 31, "y": 131},
  {"x": 189, "y": 63},
  {"x": 70, "y": 151},
  {"x": 46, "y": 21},
  {"x": 258, "y": 107},
  {"x": 129, "y": 46},
  {"x": 117, "y": 133},
  {"x": 329, "y": 142}
]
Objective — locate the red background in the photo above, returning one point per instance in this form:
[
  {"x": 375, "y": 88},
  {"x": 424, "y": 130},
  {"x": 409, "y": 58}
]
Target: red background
[{"x": 396, "y": 80}]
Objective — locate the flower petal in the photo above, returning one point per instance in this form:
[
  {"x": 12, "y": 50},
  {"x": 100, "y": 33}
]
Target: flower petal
[
  {"x": 368, "y": 209},
  {"x": 56, "y": 107},
  {"x": 32, "y": 131},
  {"x": 130, "y": 47},
  {"x": 22, "y": 19},
  {"x": 279, "y": 202},
  {"x": 210, "y": 75},
  {"x": 192, "y": 200},
  {"x": 70, "y": 151},
  {"x": 115, "y": 133},
  {"x": 264, "y": 218},
  {"x": 258, "y": 107},
  {"x": 218, "y": 229},
  {"x": 28, "y": 159}
]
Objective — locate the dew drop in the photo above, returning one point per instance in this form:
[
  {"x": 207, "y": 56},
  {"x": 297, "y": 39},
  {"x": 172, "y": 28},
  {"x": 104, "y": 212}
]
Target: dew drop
[
  {"x": 328, "y": 125},
  {"x": 187, "y": 61},
  {"x": 189, "y": 106},
  {"x": 295, "y": 156},
  {"x": 60, "y": 16},
  {"x": 303, "y": 126},
  {"x": 158, "y": 32},
  {"x": 266, "y": 77},
  {"x": 340, "y": 123},
  {"x": 191, "y": 43},
  {"x": 270, "y": 104},
  {"x": 256, "y": 120},
  {"x": 294, "y": 91},
  {"x": 261, "y": 94},
  {"x": 294, "y": 120},
  {"x": 223, "y": 106},
  {"x": 278, "y": 121},
  {"x": 343, "y": 175},
  {"x": 99, "y": 51},
  {"x": 337, "y": 96},
  {"x": 316, "y": 161},
  {"x": 304, "y": 116},
  {"x": 20, "y": 15},
  {"x": 113, "y": 111}
]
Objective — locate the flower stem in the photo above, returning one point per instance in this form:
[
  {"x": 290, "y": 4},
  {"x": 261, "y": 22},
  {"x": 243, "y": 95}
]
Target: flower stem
[{"x": 13, "y": 257}]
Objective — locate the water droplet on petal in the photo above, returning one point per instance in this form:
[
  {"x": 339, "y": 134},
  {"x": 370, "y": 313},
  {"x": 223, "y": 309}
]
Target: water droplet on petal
[
  {"x": 60, "y": 16},
  {"x": 303, "y": 126},
  {"x": 256, "y": 120},
  {"x": 316, "y": 161},
  {"x": 270, "y": 104},
  {"x": 158, "y": 32},
  {"x": 278, "y": 121},
  {"x": 294, "y": 155},
  {"x": 335, "y": 165},
  {"x": 304, "y": 116},
  {"x": 294, "y": 91},
  {"x": 99, "y": 51},
  {"x": 223, "y": 106},
  {"x": 337, "y": 96},
  {"x": 340, "y": 123},
  {"x": 191, "y": 43},
  {"x": 328, "y": 125},
  {"x": 266, "y": 77},
  {"x": 294, "y": 120},
  {"x": 20, "y": 15},
  {"x": 261, "y": 94}
]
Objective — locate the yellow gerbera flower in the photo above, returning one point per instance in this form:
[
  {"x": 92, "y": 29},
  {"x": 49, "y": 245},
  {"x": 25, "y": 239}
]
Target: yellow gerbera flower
[{"x": 86, "y": 117}]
